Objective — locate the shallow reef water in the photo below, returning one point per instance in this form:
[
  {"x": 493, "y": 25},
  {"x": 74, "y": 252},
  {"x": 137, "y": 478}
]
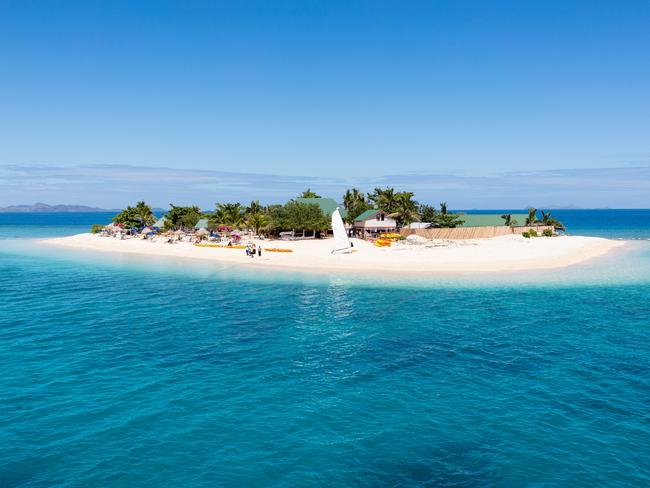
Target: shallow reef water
[{"x": 124, "y": 372}]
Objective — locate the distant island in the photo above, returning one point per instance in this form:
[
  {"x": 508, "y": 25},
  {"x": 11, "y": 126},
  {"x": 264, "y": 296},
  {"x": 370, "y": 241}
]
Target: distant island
[{"x": 44, "y": 207}]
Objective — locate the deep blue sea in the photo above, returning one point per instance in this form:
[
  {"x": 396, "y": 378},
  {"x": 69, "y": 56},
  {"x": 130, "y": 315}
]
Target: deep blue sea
[{"x": 124, "y": 371}]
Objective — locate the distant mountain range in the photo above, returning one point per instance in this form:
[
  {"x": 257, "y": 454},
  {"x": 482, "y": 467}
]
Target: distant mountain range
[
  {"x": 560, "y": 207},
  {"x": 44, "y": 207}
]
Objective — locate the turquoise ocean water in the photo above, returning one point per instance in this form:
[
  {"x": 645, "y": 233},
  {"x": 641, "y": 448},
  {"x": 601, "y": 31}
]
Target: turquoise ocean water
[{"x": 123, "y": 371}]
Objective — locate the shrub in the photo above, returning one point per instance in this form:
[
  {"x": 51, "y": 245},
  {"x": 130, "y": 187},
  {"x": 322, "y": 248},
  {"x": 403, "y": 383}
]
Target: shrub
[
  {"x": 525, "y": 234},
  {"x": 532, "y": 233},
  {"x": 97, "y": 228},
  {"x": 547, "y": 233}
]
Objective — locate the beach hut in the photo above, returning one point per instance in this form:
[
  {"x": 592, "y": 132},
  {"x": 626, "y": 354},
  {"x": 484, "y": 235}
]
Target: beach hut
[
  {"x": 372, "y": 222},
  {"x": 160, "y": 223},
  {"x": 201, "y": 224}
]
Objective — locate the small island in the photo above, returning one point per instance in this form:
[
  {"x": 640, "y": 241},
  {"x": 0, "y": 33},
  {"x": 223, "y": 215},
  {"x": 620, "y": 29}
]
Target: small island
[{"x": 384, "y": 231}]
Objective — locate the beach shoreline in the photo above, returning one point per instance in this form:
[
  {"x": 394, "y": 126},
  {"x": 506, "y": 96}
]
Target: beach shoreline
[{"x": 494, "y": 255}]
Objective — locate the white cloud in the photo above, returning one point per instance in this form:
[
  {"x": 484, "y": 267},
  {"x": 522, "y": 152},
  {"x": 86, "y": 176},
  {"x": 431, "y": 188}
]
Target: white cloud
[{"x": 116, "y": 185}]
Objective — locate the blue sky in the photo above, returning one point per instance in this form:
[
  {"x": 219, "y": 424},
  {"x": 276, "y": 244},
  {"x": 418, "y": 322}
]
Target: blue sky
[{"x": 322, "y": 92}]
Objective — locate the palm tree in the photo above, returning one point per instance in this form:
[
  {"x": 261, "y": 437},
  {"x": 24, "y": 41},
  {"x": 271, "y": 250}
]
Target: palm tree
[
  {"x": 353, "y": 198},
  {"x": 257, "y": 222},
  {"x": 443, "y": 208},
  {"x": 230, "y": 214},
  {"x": 384, "y": 199},
  {"x": 355, "y": 203},
  {"x": 254, "y": 208},
  {"x": 532, "y": 216},
  {"x": 144, "y": 214},
  {"x": 551, "y": 221},
  {"x": 405, "y": 209},
  {"x": 309, "y": 194},
  {"x": 428, "y": 213},
  {"x": 509, "y": 221}
]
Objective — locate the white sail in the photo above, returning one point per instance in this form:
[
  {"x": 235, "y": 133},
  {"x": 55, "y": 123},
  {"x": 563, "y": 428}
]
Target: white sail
[{"x": 341, "y": 241}]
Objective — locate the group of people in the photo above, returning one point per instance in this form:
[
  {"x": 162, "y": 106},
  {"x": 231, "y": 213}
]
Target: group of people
[{"x": 252, "y": 249}]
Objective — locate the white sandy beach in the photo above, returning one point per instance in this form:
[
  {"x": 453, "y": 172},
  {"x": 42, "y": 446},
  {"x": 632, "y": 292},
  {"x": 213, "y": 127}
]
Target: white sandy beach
[{"x": 507, "y": 253}]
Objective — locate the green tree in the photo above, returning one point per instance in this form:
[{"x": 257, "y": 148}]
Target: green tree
[
  {"x": 447, "y": 220},
  {"x": 355, "y": 204},
  {"x": 182, "y": 217},
  {"x": 532, "y": 216},
  {"x": 144, "y": 214},
  {"x": 353, "y": 197},
  {"x": 508, "y": 220},
  {"x": 257, "y": 222},
  {"x": 298, "y": 216},
  {"x": 127, "y": 218},
  {"x": 254, "y": 208},
  {"x": 135, "y": 217},
  {"x": 405, "y": 209},
  {"x": 228, "y": 214},
  {"x": 309, "y": 194},
  {"x": 384, "y": 199},
  {"x": 428, "y": 213},
  {"x": 547, "y": 219}
]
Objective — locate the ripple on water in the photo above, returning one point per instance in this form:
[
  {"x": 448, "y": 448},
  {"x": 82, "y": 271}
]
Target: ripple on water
[{"x": 118, "y": 374}]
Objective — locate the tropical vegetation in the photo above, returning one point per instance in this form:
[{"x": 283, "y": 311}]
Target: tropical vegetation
[
  {"x": 182, "y": 217},
  {"x": 508, "y": 220},
  {"x": 444, "y": 219},
  {"x": 309, "y": 194},
  {"x": 298, "y": 215},
  {"x": 546, "y": 219},
  {"x": 227, "y": 215},
  {"x": 355, "y": 203},
  {"x": 135, "y": 217}
]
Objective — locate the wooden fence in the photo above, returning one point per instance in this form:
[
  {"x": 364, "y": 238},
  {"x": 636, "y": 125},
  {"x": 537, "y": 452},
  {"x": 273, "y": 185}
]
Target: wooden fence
[{"x": 471, "y": 232}]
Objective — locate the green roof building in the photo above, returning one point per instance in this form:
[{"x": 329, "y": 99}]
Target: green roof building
[
  {"x": 364, "y": 215},
  {"x": 327, "y": 205}
]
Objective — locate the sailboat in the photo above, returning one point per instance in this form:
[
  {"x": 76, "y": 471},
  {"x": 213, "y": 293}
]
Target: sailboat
[{"x": 341, "y": 241}]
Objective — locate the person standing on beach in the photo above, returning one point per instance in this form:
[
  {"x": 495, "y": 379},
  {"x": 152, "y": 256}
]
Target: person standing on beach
[{"x": 259, "y": 251}]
